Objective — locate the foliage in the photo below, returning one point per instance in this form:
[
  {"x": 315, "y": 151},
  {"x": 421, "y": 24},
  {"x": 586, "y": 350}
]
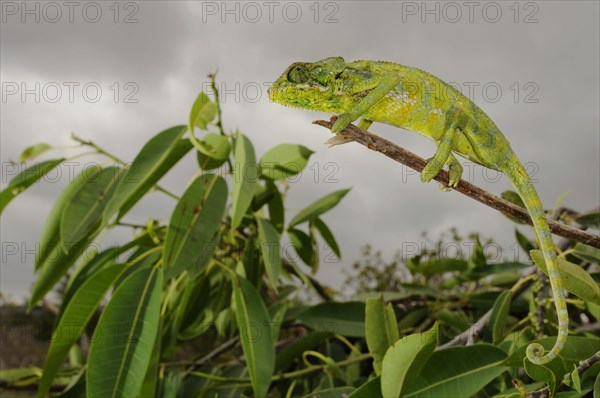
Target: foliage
[{"x": 213, "y": 277}]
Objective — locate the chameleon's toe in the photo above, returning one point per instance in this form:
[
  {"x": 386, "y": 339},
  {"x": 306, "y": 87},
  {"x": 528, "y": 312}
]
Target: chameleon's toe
[
  {"x": 338, "y": 139},
  {"x": 341, "y": 123},
  {"x": 444, "y": 188},
  {"x": 455, "y": 171},
  {"x": 432, "y": 169}
]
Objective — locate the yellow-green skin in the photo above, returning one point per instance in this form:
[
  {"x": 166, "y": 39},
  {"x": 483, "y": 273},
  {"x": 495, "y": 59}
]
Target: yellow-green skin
[{"x": 415, "y": 100}]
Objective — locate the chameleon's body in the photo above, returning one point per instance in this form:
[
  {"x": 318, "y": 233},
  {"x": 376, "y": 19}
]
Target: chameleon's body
[{"x": 415, "y": 100}]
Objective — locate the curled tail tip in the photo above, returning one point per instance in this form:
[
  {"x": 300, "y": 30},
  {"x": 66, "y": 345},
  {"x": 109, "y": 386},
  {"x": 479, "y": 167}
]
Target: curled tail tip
[{"x": 535, "y": 354}]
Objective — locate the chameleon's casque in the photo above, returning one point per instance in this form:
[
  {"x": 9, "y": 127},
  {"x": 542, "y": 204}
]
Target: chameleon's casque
[{"x": 412, "y": 99}]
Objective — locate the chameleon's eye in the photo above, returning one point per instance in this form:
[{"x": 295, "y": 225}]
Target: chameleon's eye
[{"x": 298, "y": 74}]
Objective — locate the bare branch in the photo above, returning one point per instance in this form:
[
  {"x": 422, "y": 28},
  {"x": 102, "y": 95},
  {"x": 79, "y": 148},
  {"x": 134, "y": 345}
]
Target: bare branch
[
  {"x": 469, "y": 334},
  {"x": 417, "y": 163}
]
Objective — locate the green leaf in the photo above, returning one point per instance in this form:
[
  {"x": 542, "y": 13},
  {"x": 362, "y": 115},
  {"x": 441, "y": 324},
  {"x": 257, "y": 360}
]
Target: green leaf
[
  {"x": 499, "y": 315},
  {"x": 192, "y": 324},
  {"x": 124, "y": 337},
  {"x": 492, "y": 269},
  {"x": 405, "y": 290},
  {"x": 505, "y": 279},
  {"x": 575, "y": 279},
  {"x": 478, "y": 257},
  {"x": 327, "y": 236},
  {"x": 513, "y": 198},
  {"x": 251, "y": 260},
  {"x": 517, "y": 392},
  {"x": 245, "y": 177},
  {"x": 541, "y": 373},
  {"x": 347, "y": 319},
  {"x": 524, "y": 242},
  {"x": 254, "y": 325},
  {"x": 597, "y": 387},
  {"x": 25, "y": 179},
  {"x": 151, "y": 380},
  {"x": 215, "y": 151},
  {"x": 172, "y": 384},
  {"x": 412, "y": 319},
  {"x": 404, "y": 360},
  {"x": 371, "y": 389},
  {"x": 381, "y": 330},
  {"x": 203, "y": 112},
  {"x": 318, "y": 207},
  {"x": 284, "y": 161},
  {"x": 60, "y": 258},
  {"x": 74, "y": 317},
  {"x": 552, "y": 373},
  {"x": 302, "y": 244},
  {"x": 441, "y": 265},
  {"x": 458, "y": 371},
  {"x": 97, "y": 262},
  {"x": 453, "y": 319},
  {"x": 269, "y": 244},
  {"x": 335, "y": 392},
  {"x": 76, "y": 386},
  {"x": 50, "y": 236},
  {"x": 262, "y": 195},
  {"x": 83, "y": 214},
  {"x": 13, "y": 376},
  {"x": 575, "y": 379},
  {"x": 593, "y": 309},
  {"x": 34, "y": 151},
  {"x": 590, "y": 219},
  {"x": 194, "y": 223},
  {"x": 276, "y": 209},
  {"x": 155, "y": 159},
  {"x": 587, "y": 253}
]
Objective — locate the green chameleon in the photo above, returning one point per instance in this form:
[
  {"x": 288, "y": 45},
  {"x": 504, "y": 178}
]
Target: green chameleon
[{"x": 415, "y": 100}]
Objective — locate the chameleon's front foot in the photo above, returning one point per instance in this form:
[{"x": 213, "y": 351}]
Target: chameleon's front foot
[{"x": 341, "y": 123}]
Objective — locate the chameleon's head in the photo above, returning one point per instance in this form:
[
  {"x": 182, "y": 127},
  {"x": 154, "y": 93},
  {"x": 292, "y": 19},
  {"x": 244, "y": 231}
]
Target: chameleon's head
[{"x": 316, "y": 86}]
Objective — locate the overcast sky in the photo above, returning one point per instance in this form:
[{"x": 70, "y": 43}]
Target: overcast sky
[{"x": 118, "y": 73}]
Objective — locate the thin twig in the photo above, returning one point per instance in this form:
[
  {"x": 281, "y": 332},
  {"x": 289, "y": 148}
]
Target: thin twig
[
  {"x": 469, "y": 335},
  {"x": 417, "y": 163},
  {"x": 320, "y": 289},
  {"x": 116, "y": 159},
  {"x": 7, "y": 386},
  {"x": 213, "y": 85},
  {"x": 205, "y": 358},
  {"x": 219, "y": 122}
]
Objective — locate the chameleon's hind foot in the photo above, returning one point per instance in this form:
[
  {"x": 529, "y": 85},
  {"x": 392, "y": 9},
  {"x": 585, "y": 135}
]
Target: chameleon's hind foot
[
  {"x": 455, "y": 170},
  {"x": 434, "y": 166},
  {"x": 442, "y": 155},
  {"x": 431, "y": 170}
]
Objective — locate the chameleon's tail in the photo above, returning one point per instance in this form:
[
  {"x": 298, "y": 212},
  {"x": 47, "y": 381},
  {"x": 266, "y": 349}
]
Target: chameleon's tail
[{"x": 518, "y": 175}]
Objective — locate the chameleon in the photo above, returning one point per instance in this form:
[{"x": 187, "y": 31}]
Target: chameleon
[{"x": 415, "y": 100}]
